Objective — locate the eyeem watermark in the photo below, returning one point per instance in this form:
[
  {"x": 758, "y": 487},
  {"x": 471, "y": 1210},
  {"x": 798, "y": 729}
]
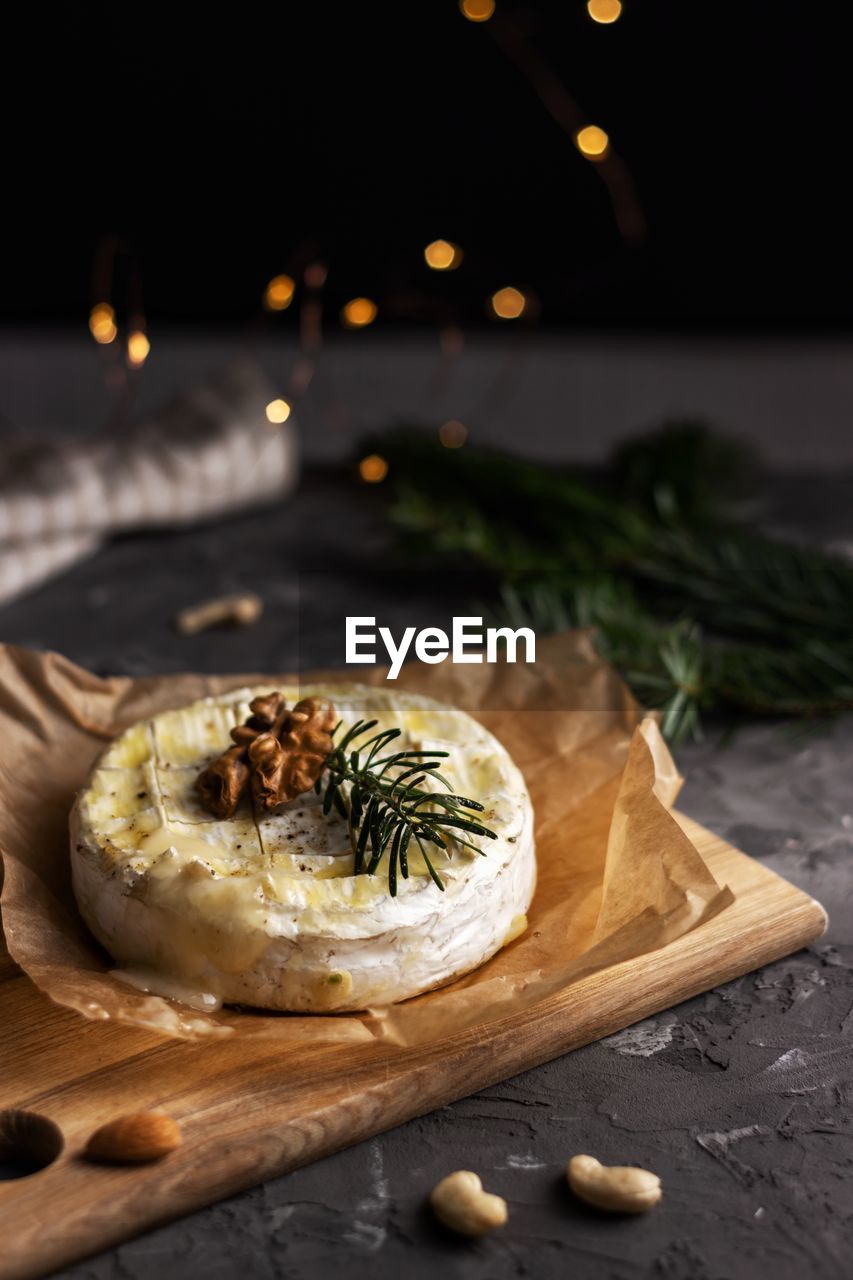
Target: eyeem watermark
[{"x": 433, "y": 645}]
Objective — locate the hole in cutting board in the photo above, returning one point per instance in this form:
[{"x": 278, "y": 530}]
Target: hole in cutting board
[{"x": 28, "y": 1142}]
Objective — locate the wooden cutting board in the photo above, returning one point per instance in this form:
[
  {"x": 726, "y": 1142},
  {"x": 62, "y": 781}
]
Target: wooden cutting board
[{"x": 252, "y": 1111}]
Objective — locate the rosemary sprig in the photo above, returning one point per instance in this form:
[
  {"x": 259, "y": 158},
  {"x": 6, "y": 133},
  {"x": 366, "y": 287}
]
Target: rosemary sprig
[{"x": 387, "y": 802}]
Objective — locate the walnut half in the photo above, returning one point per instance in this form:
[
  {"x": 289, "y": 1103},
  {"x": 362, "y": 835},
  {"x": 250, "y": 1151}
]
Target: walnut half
[{"x": 278, "y": 753}]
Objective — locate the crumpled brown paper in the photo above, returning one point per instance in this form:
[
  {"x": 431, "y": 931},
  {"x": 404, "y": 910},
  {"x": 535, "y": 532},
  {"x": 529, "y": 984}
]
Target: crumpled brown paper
[{"x": 618, "y": 878}]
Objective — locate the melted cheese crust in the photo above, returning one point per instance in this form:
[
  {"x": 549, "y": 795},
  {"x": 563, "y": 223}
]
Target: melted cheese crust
[{"x": 267, "y": 912}]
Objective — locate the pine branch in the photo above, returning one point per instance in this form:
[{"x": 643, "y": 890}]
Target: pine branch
[
  {"x": 386, "y": 803},
  {"x": 697, "y": 610}
]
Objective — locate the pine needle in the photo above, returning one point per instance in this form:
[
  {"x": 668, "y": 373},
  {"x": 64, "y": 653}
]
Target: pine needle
[
  {"x": 699, "y": 612},
  {"x": 387, "y": 801}
]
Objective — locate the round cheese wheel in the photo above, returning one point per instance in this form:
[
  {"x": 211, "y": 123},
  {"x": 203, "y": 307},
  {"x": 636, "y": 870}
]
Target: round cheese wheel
[{"x": 264, "y": 909}]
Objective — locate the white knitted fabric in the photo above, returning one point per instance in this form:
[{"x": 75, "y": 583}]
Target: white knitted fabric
[{"x": 212, "y": 452}]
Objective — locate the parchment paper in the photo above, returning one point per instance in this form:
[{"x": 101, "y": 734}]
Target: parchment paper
[{"x": 618, "y": 878}]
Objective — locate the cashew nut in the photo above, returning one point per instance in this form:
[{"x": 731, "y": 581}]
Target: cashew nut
[
  {"x": 460, "y": 1202},
  {"x": 241, "y": 610},
  {"x": 619, "y": 1189}
]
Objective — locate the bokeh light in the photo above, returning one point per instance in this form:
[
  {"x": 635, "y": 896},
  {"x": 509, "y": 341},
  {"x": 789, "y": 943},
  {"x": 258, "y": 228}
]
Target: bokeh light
[
  {"x": 453, "y": 434},
  {"x": 359, "y": 312},
  {"x": 442, "y": 255},
  {"x": 477, "y": 10},
  {"x": 604, "y": 11},
  {"x": 278, "y": 294},
  {"x": 102, "y": 324},
  {"x": 138, "y": 347},
  {"x": 508, "y": 303},
  {"x": 592, "y": 142},
  {"x": 278, "y": 411},
  {"x": 373, "y": 468}
]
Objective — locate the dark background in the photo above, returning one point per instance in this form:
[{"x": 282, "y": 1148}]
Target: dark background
[{"x": 226, "y": 144}]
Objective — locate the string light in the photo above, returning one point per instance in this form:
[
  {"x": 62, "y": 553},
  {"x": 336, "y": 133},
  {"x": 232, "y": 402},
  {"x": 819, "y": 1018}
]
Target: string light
[
  {"x": 441, "y": 255},
  {"x": 373, "y": 468},
  {"x": 278, "y": 294},
  {"x": 453, "y": 434},
  {"x": 513, "y": 38},
  {"x": 138, "y": 347},
  {"x": 278, "y": 411},
  {"x": 102, "y": 323},
  {"x": 592, "y": 142},
  {"x": 604, "y": 11},
  {"x": 477, "y": 10},
  {"x": 508, "y": 303},
  {"x": 358, "y": 312}
]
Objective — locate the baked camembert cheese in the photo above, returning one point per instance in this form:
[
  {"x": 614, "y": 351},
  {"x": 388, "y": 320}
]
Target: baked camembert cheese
[{"x": 263, "y": 908}]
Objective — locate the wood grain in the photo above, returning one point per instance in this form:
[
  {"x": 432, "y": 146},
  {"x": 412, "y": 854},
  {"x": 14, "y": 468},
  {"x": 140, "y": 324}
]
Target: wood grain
[{"x": 252, "y": 1111}]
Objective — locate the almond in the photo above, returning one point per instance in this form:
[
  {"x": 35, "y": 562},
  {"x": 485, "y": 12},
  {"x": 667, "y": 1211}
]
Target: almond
[{"x": 135, "y": 1138}]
